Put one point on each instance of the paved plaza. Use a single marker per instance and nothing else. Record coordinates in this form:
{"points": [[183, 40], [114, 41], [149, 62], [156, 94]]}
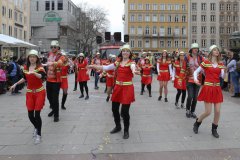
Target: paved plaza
{"points": [[157, 130]]}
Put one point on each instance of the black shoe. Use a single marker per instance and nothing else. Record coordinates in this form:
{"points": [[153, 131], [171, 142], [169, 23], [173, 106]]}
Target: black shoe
{"points": [[150, 95], [116, 130], [188, 114], [166, 100], [96, 87], [63, 108], [235, 95], [81, 96], [87, 97], [74, 89], [182, 106], [159, 98], [56, 119], [108, 97], [141, 93], [214, 131], [193, 115], [196, 126], [176, 105], [50, 114], [126, 135]]}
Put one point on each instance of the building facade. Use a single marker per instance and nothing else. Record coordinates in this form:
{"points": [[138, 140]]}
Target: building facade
{"points": [[14, 18], [54, 20], [154, 25]]}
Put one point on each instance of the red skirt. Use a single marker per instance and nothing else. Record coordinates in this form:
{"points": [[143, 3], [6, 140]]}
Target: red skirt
{"points": [[110, 81], [164, 76], [64, 83], [211, 94], [35, 101], [123, 94], [146, 80], [180, 84], [83, 76]]}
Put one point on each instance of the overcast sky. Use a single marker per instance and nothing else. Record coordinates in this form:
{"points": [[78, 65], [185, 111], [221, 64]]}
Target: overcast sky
{"points": [[115, 9]]}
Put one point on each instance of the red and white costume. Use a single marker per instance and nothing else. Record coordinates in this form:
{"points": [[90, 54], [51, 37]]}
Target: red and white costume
{"points": [[123, 91], [164, 70], [64, 76], [146, 74], [211, 91], [110, 77], [35, 96], [82, 71], [179, 75]]}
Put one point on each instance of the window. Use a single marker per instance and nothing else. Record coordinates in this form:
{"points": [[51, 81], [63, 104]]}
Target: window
{"points": [[20, 34], [176, 31], [235, 7], [154, 43], [222, 18], [222, 43], [183, 44], [194, 29], [154, 18], [176, 44], [53, 5], [203, 43], [147, 31], [228, 30], [228, 18], [204, 6], [194, 18], [194, 6], [184, 31], [132, 17], [154, 32], [132, 43], [221, 30], [140, 7], [132, 6], [176, 18], [25, 35], [161, 44], [221, 7], [10, 14], [15, 32], [155, 7], [212, 30], [147, 44], [139, 18], [169, 18], [3, 11], [169, 31], [203, 30], [194, 41], [140, 31], [3, 28], [235, 18], [203, 18], [132, 30], [162, 18], [162, 7], [169, 7], [60, 4], [183, 18], [10, 30], [177, 7], [37, 6], [162, 31], [228, 7], [139, 43], [147, 18], [169, 44], [184, 7], [15, 16], [235, 29], [147, 6], [212, 41], [47, 5], [213, 18], [213, 6]]}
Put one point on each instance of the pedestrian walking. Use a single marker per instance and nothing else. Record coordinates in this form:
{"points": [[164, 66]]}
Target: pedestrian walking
{"points": [[146, 70], [211, 92], [34, 74], [97, 61], [123, 92]]}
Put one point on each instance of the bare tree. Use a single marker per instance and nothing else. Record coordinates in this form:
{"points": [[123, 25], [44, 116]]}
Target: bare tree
{"points": [[92, 22]]}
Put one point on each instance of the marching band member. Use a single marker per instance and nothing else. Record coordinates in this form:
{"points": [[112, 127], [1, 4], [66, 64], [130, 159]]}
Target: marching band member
{"points": [[146, 69]]}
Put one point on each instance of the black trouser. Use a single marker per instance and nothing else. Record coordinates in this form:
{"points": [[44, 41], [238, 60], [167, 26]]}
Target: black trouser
{"points": [[124, 113], [179, 92], [149, 87], [53, 89], [36, 120], [75, 86], [192, 90], [83, 85]]}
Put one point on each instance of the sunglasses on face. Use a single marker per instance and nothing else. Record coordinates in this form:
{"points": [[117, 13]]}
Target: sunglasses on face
{"points": [[53, 47]]}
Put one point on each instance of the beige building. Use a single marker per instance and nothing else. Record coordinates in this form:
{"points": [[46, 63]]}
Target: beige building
{"points": [[15, 18], [154, 25]]}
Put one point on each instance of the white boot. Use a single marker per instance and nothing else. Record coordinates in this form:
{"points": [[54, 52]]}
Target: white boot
{"points": [[37, 140], [34, 133]]}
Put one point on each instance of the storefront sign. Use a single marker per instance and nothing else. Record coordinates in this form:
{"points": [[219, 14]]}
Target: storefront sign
{"points": [[52, 17]]}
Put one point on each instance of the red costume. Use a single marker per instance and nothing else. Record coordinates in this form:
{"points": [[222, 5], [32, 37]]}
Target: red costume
{"points": [[82, 71], [211, 91], [180, 75], [164, 71], [110, 77], [123, 91], [35, 96], [64, 83], [146, 76]]}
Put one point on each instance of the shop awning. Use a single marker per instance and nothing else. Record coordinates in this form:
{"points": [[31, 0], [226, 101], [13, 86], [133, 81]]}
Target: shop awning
{"points": [[6, 40]]}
